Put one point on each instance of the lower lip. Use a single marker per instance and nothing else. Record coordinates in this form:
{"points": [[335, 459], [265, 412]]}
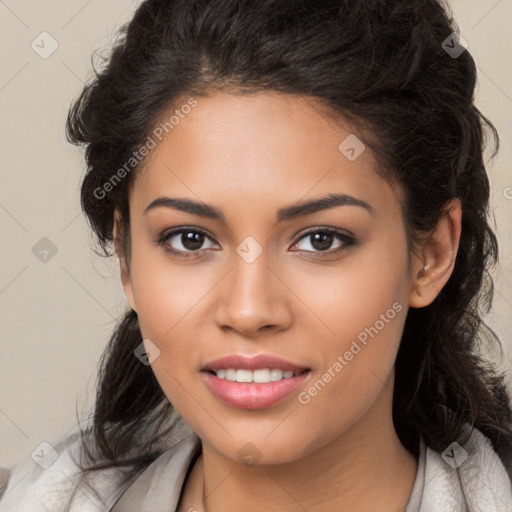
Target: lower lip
{"points": [[252, 395]]}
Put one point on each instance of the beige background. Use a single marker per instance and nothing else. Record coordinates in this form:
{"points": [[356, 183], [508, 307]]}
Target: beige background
{"points": [[56, 317]]}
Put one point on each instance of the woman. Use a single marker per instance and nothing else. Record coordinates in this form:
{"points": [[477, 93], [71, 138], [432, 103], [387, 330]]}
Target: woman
{"points": [[298, 201]]}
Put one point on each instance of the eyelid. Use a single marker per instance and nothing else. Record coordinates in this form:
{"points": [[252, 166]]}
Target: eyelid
{"points": [[168, 233], [346, 238], [326, 229]]}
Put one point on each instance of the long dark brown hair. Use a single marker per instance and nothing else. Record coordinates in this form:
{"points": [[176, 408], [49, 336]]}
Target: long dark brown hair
{"points": [[385, 66]]}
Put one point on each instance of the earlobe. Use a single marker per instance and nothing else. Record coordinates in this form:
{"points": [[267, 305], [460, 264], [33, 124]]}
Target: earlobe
{"points": [[123, 262], [433, 268]]}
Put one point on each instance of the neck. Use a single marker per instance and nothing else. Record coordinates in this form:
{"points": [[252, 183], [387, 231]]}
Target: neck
{"points": [[364, 466]]}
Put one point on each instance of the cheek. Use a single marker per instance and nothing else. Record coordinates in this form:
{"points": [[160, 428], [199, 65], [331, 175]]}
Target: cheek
{"points": [[363, 308], [166, 303], [166, 293], [172, 304], [357, 361], [344, 300]]}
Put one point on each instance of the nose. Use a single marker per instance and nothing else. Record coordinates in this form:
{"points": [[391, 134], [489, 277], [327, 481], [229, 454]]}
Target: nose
{"points": [[252, 298]]}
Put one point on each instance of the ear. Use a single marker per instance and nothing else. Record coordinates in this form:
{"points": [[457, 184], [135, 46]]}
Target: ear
{"points": [[434, 265], [123, 259]]}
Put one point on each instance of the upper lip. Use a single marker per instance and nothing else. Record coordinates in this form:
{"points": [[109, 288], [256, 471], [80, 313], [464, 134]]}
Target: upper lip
{"points": [[258, 362]]}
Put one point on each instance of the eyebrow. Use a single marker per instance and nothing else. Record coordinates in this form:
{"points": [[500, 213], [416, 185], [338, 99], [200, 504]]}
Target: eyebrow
{"points": [[283, 214]]}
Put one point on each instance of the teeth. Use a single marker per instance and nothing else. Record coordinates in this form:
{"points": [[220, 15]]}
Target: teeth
{"points": [[276, 375], [244, 376], [231, 374], [259, 376]]}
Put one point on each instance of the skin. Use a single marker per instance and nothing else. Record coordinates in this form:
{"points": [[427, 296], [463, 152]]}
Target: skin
{"points": [[249, 156]]}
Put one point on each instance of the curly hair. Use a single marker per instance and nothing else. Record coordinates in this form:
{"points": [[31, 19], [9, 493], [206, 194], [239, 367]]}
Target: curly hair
{"points": [[381, 65]]}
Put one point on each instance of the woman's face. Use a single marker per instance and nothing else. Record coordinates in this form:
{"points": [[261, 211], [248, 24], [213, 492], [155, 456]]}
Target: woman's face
{"points": [[262, 277]]}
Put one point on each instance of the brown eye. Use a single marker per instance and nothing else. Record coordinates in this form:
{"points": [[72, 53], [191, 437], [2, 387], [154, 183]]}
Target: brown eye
{"points": [[321, 240], [184, 241]]}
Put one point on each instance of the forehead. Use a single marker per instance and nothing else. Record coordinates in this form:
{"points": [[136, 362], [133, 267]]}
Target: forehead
{"points": [[262, 149]]}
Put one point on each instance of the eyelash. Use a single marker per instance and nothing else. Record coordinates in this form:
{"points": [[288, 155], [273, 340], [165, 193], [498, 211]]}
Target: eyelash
{"points": [[347, 240]]}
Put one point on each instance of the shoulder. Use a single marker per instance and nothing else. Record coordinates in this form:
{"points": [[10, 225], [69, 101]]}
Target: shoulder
{"points": [[49, 479], [471, 473], [159, 486]]}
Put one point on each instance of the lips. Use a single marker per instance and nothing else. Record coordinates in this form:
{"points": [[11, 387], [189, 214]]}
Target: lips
{"points": [[258, 362], [253, 395]]}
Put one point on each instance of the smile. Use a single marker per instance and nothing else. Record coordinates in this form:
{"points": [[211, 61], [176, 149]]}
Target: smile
{"points": [[250, 394], [259, 376]]}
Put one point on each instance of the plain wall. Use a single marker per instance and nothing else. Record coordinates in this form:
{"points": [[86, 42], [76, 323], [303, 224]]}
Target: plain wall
{"points": [[57, 316]]}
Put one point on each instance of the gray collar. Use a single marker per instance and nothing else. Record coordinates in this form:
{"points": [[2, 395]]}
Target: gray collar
{"points": [[158, 488]]}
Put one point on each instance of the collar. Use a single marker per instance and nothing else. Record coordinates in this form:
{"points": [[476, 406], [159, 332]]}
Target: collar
{"points": [[158, 488]]}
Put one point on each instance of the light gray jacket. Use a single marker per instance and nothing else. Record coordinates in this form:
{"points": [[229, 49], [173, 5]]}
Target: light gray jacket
{"points": [[470, 478]]}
